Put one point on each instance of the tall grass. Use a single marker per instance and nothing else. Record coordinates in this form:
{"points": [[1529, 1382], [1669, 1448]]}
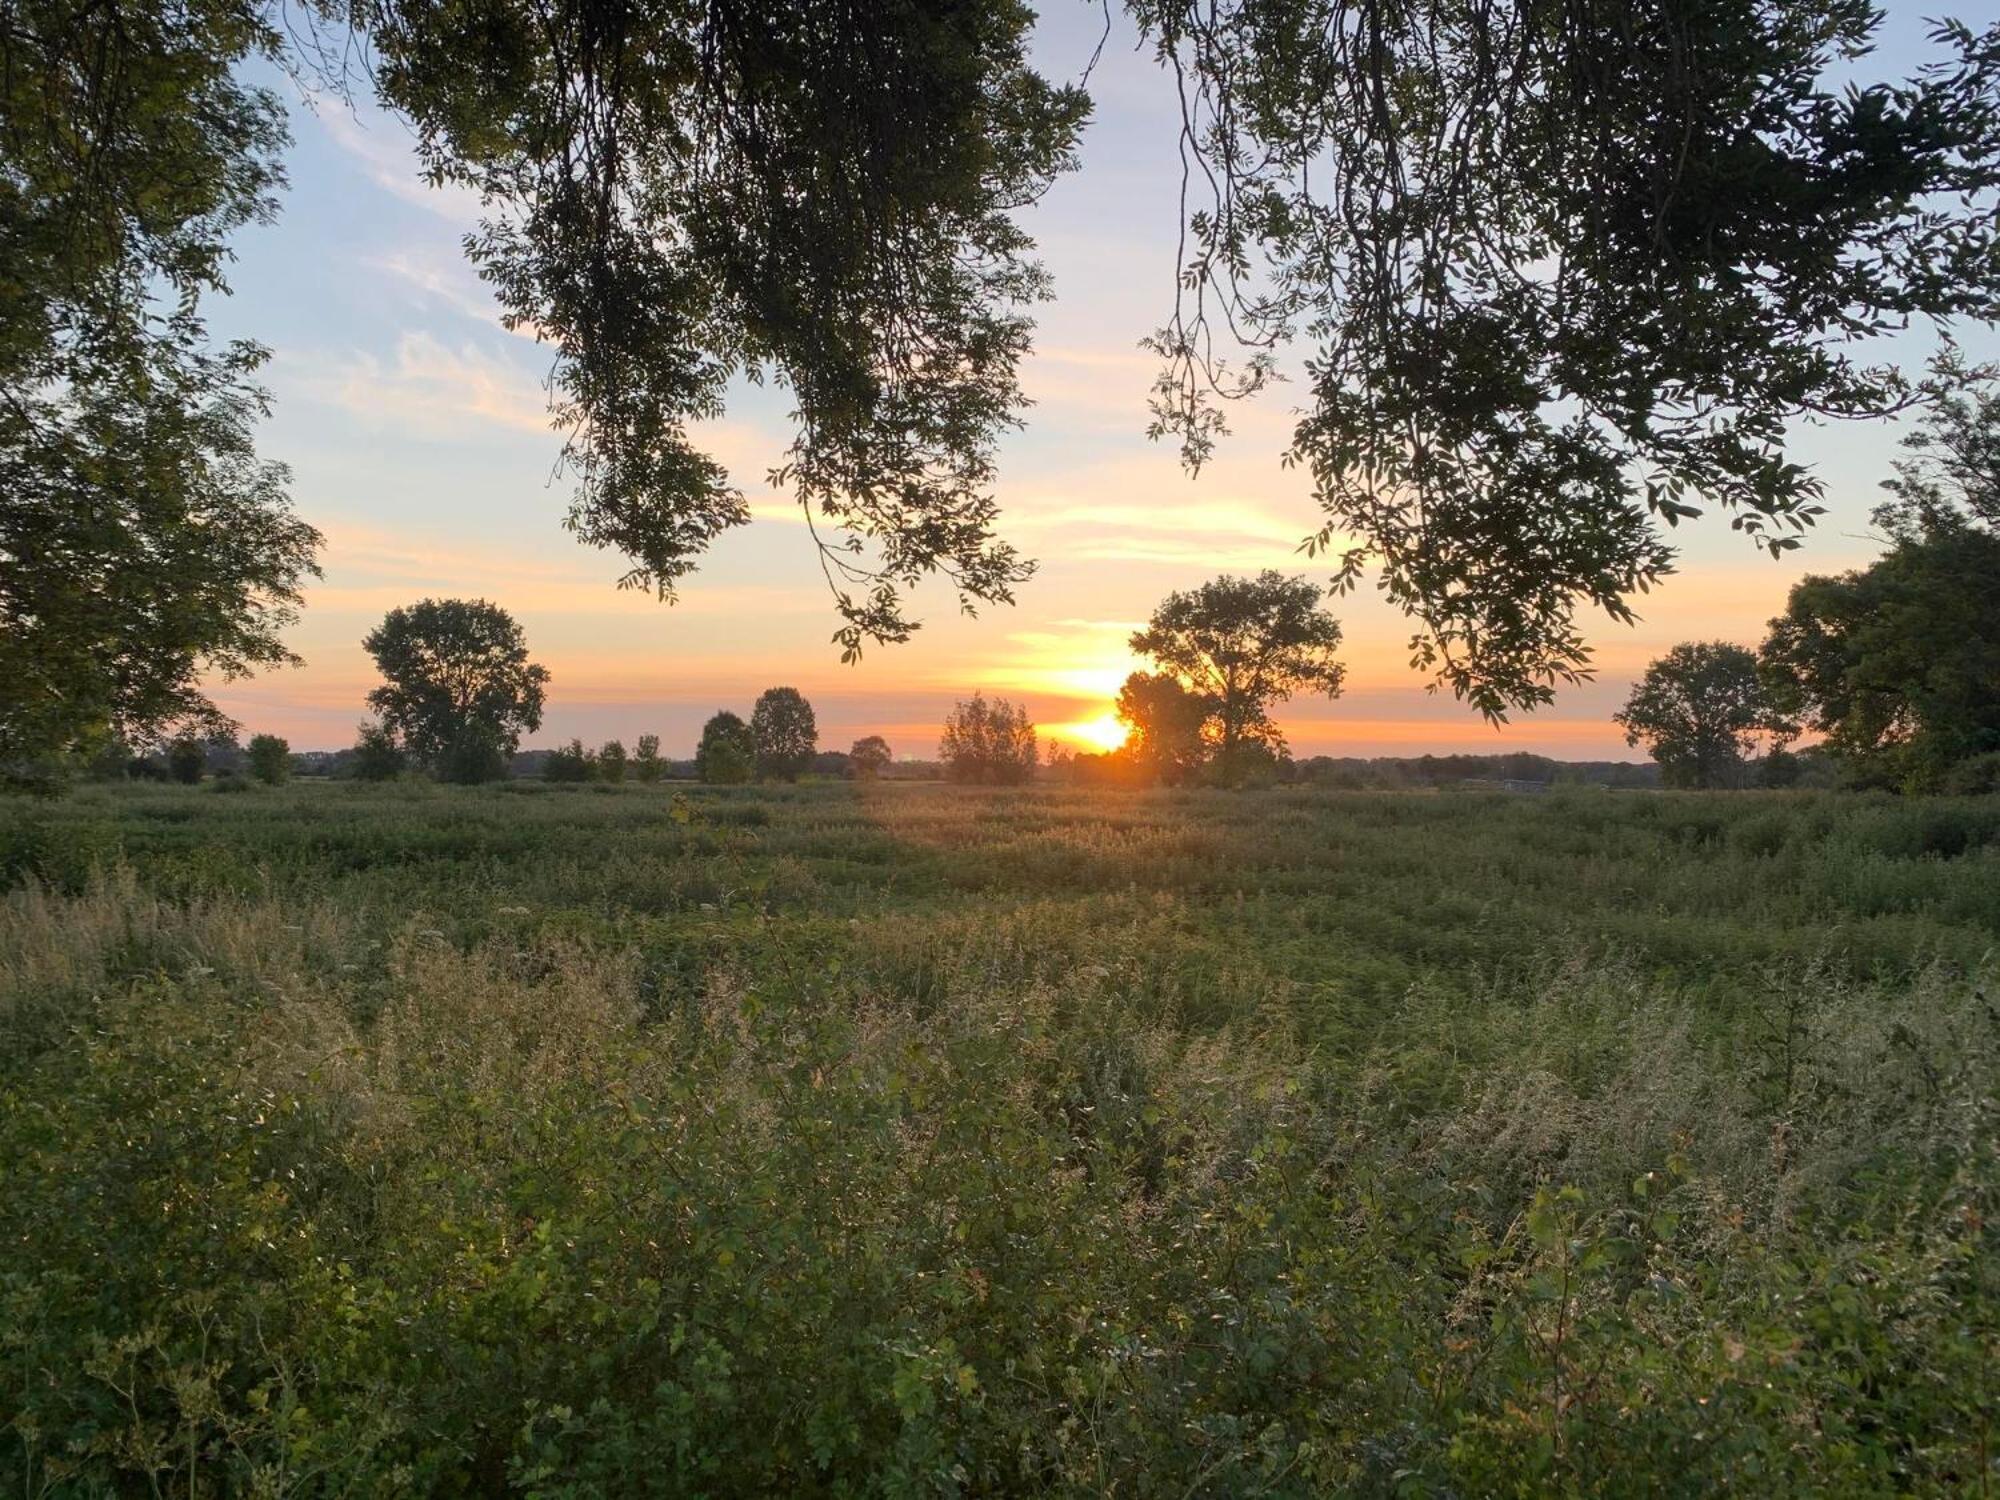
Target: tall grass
{"points": [[914, 1140]]}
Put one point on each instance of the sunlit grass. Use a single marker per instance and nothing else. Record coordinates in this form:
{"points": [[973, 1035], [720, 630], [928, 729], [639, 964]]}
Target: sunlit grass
{"points": [[905, 1139]]}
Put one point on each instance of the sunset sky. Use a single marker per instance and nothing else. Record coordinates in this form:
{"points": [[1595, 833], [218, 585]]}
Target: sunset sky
{"points": [[415, 427]]}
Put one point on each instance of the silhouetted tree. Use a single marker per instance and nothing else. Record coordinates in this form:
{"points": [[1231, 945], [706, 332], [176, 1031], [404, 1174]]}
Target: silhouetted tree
{"points": [[187, 759], [1701, 711], [988, 743], [611, 761], [270, 758], [460, 687], [377, 756], [869, 757], [1239, 645], [1164, 723], [727, 754], [785, 733], [1898, 664], [646, 763], [568, 764]]}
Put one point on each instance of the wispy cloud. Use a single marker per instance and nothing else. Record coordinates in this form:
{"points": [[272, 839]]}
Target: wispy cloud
{"points": [[427, 388], [384, 147]]}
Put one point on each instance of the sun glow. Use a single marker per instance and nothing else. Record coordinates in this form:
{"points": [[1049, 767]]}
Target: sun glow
{"points": [[1102, 733]]}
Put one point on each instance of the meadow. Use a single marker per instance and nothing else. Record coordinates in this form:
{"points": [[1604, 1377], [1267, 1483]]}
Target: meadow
{"points": [[911, 1140]]}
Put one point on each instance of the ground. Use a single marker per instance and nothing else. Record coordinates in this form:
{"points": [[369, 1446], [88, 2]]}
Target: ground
{"points": [[909, 1139]]}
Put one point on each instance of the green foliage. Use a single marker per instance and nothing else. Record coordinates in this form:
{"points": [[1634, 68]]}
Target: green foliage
{"points": [[727, 754], [1236, 646], [646, 763], [676, 196], [146, 548], [802, 1141], [1898, 664], [1701, 711], [785, 733], [869, 757], [570, 763], [376, 755], [270, 758], [611, 761], [460, 688], [187, 759], [1732, 207], [989, 744]]}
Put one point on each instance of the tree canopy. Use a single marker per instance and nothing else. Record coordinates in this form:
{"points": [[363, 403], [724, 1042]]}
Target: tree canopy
{"points": [[785, 733], [1238, 645], [988, 742], [460, 688], [1702, 711], [728, 752], [869, 757], [142, 543], [1564, 274], [1898, 664], [1163, 722]]}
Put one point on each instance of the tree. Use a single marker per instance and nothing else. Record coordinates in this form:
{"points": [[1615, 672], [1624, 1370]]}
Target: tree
{"points": [[611, 761], [988, 743], [187, 759], [568, 764], [460, 687], [270, 759], [870, 757], [1164, 727], [646, 763], [785, 733], [1701, 711], [1898, 664], [1239, 645], [143, 546], [376, 755], [727, 754]]}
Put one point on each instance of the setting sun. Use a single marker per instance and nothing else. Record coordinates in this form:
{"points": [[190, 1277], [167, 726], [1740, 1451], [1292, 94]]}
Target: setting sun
{"points": [[1102, 733]]}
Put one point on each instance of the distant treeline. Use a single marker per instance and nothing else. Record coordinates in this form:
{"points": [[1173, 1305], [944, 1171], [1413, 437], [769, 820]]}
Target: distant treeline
{"points": [[533, 765]]}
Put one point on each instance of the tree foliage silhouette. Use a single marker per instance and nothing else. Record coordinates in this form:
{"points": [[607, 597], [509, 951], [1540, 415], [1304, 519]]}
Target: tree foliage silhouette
{"points": [[1701, 711], [460, 689], [785, 733]]}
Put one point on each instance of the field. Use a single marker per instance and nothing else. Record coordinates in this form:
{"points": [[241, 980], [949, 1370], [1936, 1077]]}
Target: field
{"points": [[910, 1140]]}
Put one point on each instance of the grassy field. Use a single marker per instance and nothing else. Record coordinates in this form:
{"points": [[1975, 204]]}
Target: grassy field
{"points": [[909, 1140]]}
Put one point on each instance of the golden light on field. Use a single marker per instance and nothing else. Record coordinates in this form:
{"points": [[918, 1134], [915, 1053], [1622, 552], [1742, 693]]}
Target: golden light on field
{"points": [[1102, 733]]}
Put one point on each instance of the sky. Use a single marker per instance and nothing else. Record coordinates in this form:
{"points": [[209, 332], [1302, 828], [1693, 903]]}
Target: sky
{"points": [[416, 430]]}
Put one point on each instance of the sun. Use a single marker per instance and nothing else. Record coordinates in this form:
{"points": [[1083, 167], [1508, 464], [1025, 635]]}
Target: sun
{"points": [[1102, 733]]}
